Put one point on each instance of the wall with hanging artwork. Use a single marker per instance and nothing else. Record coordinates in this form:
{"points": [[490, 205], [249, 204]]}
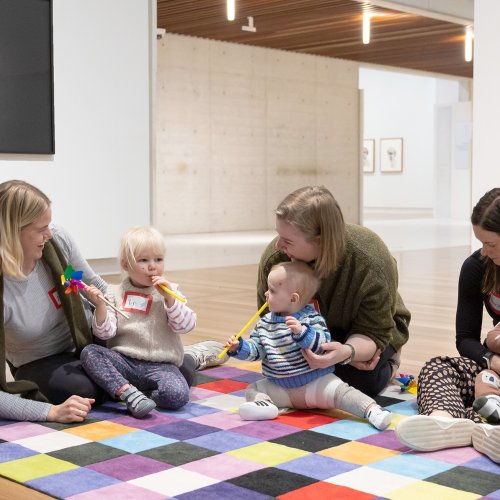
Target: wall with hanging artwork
{"points": [[368, 156], [391, 155]]}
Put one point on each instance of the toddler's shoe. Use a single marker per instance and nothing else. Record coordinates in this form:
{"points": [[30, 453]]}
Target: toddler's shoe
{"points": [[379, 417], [489, 408], [258, 410], [137, 403]]}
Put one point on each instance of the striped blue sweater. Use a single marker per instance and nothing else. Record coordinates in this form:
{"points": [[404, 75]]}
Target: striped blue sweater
{"points": [[273, 343]]}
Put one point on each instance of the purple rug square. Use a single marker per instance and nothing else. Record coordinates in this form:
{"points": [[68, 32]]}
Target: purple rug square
{"points": [[265, 430], [223, 441], [154, 418], [384, 439], [182, 430], [22, 430], [189, 411], [129, 467], [317, 466], [123, 491], [495, 494], [13, 451], [457, 456], [222, 490], [106, 411], [71, 482], [483, 463], [197, 393]]}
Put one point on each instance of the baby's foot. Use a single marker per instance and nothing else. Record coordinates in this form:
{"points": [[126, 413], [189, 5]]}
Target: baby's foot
{"points": [[258, 410], [379, 417]]}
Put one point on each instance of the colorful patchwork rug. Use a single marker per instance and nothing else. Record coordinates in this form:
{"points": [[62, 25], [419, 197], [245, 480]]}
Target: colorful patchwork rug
{"points": [[205, 451]]}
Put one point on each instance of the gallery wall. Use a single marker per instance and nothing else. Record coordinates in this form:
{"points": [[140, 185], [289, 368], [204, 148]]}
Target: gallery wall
{"points": [[238, 127], [99, 176], [432, 117]]}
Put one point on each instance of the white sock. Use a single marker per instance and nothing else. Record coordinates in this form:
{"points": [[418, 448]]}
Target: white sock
{"points": [[258, 410], [379, 417]]}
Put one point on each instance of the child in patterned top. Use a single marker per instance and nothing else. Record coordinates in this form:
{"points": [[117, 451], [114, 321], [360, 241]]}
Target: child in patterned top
{"points": [[144, 352], [278, 339]]}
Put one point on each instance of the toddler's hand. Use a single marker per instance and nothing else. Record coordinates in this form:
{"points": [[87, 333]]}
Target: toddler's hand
{"points": [[232, 344], [93, 293], [294, 324]]}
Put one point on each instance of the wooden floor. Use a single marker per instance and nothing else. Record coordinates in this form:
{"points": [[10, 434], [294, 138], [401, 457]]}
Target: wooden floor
{"points": [[224, 299]]}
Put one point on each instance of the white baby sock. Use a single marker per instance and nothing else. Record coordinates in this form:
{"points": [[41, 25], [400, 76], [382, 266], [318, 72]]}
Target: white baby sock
{"points": [[379, 417]]}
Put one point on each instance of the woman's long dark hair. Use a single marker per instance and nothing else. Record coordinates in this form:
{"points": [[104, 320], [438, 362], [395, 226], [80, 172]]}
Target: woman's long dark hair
{"points": [[486, 215]]}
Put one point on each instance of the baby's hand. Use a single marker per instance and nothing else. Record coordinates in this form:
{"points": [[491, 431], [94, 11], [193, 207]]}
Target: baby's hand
{"points": [[294, 324], [160, 280], [93, 294], [232, 344]]}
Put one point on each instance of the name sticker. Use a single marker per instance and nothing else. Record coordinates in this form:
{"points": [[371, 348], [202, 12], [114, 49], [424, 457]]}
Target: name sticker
{"points": [[54, 297], [495, 302], [137, 302]]}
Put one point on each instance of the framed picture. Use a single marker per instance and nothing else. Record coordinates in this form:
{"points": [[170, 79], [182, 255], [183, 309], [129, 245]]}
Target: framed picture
{"points": [[391, 155], [368, 156]]}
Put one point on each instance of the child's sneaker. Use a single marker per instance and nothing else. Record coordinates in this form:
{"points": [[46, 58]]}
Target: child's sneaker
{"points": [[379, 417], [137, 403], [489, 408], [258, 410]]}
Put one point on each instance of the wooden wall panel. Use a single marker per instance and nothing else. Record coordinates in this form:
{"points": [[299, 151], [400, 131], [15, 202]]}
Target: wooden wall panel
{"points": [[239, 127]]}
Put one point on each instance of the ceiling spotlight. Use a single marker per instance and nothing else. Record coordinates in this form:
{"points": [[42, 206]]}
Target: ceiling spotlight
{"points": [[366, 28], [231, 10], [469, 36]]}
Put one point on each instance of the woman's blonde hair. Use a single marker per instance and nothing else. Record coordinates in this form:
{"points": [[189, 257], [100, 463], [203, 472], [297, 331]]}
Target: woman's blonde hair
{"points": [[315, 212], [301, 279], [486, 215], [137, 239], [21, 204]]}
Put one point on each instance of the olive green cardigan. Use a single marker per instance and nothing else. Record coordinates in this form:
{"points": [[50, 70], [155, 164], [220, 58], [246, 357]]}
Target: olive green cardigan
{"points": [[361, 295], [73, 310]]}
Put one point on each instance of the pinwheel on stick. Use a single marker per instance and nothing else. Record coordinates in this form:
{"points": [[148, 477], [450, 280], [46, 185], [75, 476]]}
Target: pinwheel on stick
{"points": [[72, 282]]}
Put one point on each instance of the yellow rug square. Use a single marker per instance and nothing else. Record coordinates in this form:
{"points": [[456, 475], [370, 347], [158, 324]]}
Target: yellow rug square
{"points": [[358, 453], [26, 469], [422, 489], [269, 454], [100, 430]]}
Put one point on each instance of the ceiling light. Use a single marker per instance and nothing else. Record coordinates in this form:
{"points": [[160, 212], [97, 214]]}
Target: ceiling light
{"points": [[469, 35], [366, 28], [230, 10]]}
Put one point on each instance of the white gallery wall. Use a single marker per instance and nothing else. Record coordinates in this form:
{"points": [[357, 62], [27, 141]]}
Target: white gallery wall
{"points": [[486, 167], [239, 127], [99, 176], [433, 117]]}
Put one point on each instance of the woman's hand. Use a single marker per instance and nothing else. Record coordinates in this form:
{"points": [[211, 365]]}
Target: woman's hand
{"points": [[335, 352], [74, 409], [232, 344], [368, 365]]}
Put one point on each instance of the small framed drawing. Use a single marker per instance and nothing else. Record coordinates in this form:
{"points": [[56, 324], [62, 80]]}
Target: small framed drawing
{"points": [[368, 156], [391, 155]]}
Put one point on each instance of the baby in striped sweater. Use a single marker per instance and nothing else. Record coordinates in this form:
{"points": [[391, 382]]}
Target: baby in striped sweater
{"points": [[277, 341]]}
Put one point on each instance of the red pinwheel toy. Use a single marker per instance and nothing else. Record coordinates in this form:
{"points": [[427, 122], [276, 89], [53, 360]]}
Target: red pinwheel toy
{"points": [[72, 280]]}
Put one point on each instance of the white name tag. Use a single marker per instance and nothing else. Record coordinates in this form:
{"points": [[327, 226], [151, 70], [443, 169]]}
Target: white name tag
{"points": [[137, 302]]}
